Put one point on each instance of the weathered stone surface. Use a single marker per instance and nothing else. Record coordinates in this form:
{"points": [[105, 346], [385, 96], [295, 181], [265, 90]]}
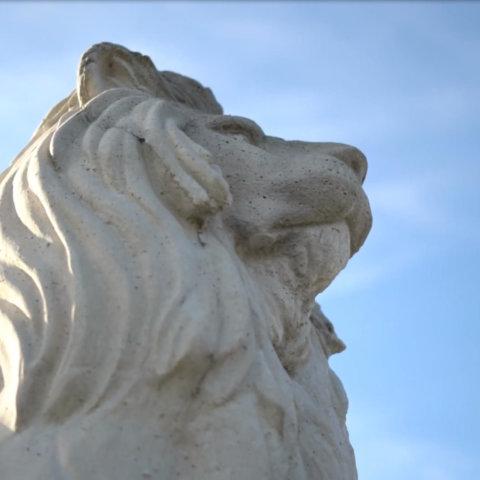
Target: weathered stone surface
{"points": [[159, 264]]}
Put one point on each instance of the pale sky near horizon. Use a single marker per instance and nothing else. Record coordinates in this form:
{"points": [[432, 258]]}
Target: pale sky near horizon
{"points": [[401, 81]]}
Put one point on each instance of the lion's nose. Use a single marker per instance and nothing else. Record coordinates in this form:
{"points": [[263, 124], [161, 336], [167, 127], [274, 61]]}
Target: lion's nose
{"points": [[352, 156]]}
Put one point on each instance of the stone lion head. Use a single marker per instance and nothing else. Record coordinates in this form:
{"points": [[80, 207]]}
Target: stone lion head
{"points": [[159, 264]]}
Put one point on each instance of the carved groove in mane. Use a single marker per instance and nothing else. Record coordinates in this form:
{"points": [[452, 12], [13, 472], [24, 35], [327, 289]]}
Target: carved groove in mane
{"points": [[83, 228]]}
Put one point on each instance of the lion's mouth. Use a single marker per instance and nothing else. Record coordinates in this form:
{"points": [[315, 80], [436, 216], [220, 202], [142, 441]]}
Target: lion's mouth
{"points": [[359, 216], [359, 221]]}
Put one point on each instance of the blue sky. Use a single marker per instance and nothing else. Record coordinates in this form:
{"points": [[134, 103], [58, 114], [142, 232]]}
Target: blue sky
{"points": [[401, 81]]}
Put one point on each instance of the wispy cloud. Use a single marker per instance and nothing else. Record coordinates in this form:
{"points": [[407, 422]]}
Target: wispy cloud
{"points": [[370, 272], [327, 112], [408, 200], [419, 207], [428, 199], [383, 452]]}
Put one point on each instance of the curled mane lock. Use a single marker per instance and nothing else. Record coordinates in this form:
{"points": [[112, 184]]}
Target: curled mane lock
{"points": [[92, 213]]}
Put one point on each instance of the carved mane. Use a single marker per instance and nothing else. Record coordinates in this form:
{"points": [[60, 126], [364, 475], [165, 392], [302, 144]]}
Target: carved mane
{"points": [[116, 272], [84, 236]]}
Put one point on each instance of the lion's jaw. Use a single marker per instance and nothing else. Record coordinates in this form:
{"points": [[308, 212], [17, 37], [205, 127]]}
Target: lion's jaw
{"points": [[290, 274]]}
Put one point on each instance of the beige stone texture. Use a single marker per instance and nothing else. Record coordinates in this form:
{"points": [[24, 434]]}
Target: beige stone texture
{"points": [[159, 262]]}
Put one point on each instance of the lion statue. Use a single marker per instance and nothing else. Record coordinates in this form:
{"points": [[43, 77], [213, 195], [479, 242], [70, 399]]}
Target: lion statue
{"points": [[159, 262]]}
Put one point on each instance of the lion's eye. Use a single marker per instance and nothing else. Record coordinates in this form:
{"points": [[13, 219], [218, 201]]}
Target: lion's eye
{"points": [[229, 125]]}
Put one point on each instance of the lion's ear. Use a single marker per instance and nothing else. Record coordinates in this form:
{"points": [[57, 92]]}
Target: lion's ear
{"points": [[106, 65], [185, 172], [198, 164]]}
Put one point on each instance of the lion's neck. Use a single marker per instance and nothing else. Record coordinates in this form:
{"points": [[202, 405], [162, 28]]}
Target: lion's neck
{"points": [[285, 282], [285, 279]]}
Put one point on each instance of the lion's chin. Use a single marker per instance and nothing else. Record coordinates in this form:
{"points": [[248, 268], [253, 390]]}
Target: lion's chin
{"points": [[326, 251]]}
